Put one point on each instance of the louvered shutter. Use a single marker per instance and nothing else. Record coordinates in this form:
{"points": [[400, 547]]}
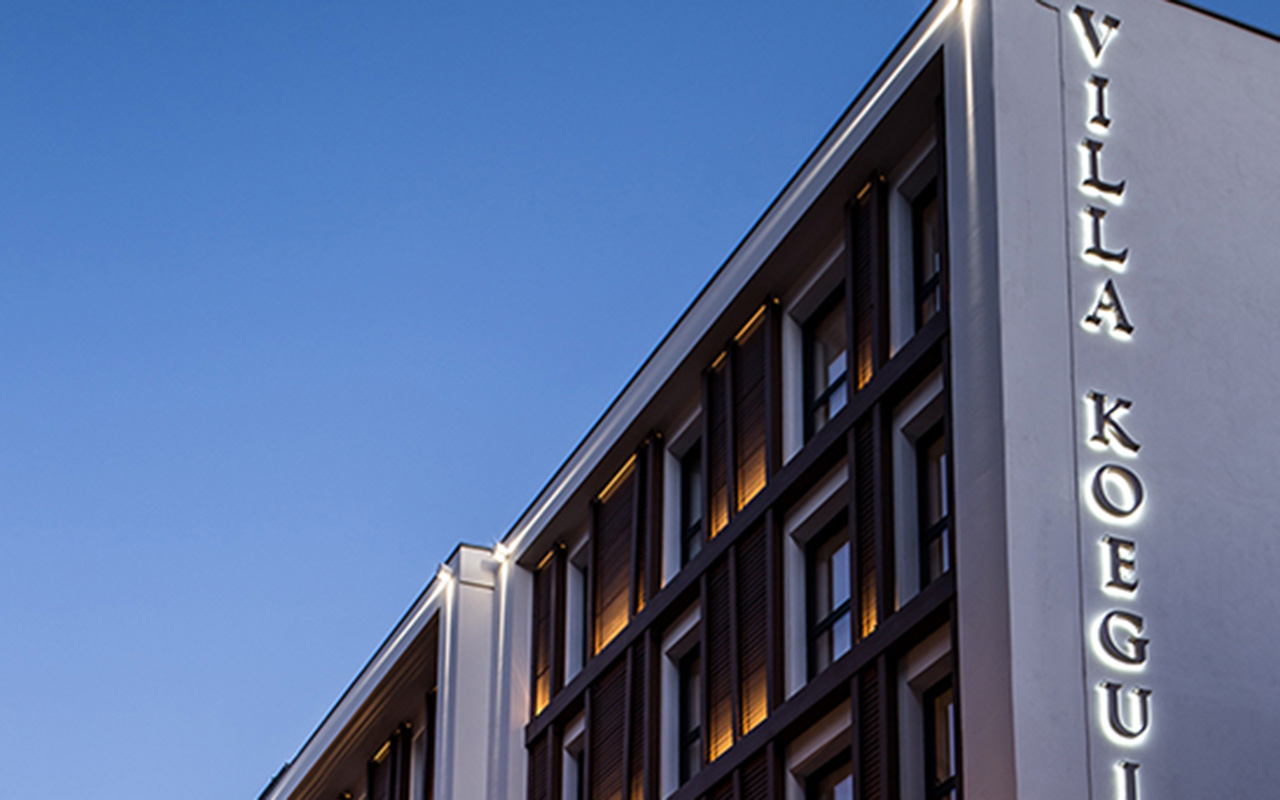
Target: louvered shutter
{"points": [[717, 449], [866, 499], [638, 720], [753, 628], [719, 662], [749, 417], [613, 546], [639, 526], [722, 791], [869, 725], [543, 599], [864, 299], [755, 778], [606, 734], [540, 769]]}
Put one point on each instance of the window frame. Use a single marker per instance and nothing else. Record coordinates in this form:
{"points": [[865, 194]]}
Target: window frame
{"points": [[814, 627], [948, 788], [929, 532], [810, 402]]}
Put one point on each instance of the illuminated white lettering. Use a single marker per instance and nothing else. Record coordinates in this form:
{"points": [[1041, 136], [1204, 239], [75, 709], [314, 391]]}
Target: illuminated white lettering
{"points": [[1097, 42], [1115, 717], [1108, 303], [1123, 562], [1133, 650], [1105, 425], [1096, 248]]}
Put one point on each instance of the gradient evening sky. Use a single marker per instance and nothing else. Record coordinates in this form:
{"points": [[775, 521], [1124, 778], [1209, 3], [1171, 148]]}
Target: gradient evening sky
{"points": [[294, 296]]}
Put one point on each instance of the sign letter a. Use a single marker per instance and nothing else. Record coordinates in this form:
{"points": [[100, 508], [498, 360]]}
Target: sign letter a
{"points": [[1096, 41]]}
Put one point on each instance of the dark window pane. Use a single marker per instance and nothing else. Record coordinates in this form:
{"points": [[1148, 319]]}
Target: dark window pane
{"points": [[830, 599], [835, 784], [691, 503], [927, 241], [828, 366], [690, 716]]}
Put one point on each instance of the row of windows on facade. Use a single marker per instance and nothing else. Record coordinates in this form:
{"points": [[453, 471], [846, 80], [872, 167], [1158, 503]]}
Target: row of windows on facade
{"points": [[723, 470]]}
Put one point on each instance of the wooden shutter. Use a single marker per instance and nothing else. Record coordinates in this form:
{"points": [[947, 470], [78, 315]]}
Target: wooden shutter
{"points": [[613, 549], [870, 755], [540, 767], [639, 527], [717, 450], [719, 661], [864, 230], [867, 533], [543, 606], [722, 791], [755, 777], [607, 734], [753, 628], [749, 412], [638, 721]]}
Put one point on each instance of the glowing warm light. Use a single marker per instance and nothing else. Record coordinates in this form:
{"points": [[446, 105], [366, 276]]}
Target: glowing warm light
{"points": [[617, 479], [755, 699], [751, 325]]}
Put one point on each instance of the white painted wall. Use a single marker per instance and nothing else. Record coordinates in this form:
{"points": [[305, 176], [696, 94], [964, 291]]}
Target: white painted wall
{"points": [[1196, 117]]}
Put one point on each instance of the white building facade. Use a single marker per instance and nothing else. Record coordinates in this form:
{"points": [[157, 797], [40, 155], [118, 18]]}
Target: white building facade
{"points": [[960, 478]]}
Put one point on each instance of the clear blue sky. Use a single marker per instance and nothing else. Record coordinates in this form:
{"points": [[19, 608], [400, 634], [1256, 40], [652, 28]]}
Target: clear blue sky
{"points": [[296, 295]]}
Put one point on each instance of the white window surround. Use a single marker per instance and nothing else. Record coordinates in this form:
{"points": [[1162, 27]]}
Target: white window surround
{"points": [[913, 418], [687, 434], [922, 667], [907, 181], [575, 739], [679, 639], [815, 748], [575, 608], [799, 305], [808, 517]]}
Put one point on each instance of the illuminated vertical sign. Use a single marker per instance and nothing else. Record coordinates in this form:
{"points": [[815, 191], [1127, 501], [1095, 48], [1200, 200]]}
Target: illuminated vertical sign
{"points": [[1111, 486]]}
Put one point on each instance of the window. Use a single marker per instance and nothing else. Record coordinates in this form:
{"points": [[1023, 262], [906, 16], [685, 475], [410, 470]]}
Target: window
{"points": [[927, 254], [934, 504], [826, 364], [940, 741], [690, 715], [830, 599], [691, 533], [832, 782]]}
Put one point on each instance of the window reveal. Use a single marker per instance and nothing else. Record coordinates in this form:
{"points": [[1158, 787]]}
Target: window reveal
{"points": [[826, 345]]}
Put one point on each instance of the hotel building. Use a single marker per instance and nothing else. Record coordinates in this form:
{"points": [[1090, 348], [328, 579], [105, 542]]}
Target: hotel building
{"points": [[958, 479]]}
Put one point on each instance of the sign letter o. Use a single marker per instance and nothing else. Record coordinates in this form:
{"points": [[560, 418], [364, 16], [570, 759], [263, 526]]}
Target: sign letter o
{"points": [[1117, 490]]}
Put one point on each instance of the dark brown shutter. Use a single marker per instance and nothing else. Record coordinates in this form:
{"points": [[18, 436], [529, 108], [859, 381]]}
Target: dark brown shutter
{"points": [[863, 231], [866, 497], [717, 449], [613, 561], [638, 720], [720, 655], [639, 526], [540, 769], [749, 414], [606, 733], [543, 600], [870, 757], [753, 627], [722, 791], [755, 777], [404, 758]]}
